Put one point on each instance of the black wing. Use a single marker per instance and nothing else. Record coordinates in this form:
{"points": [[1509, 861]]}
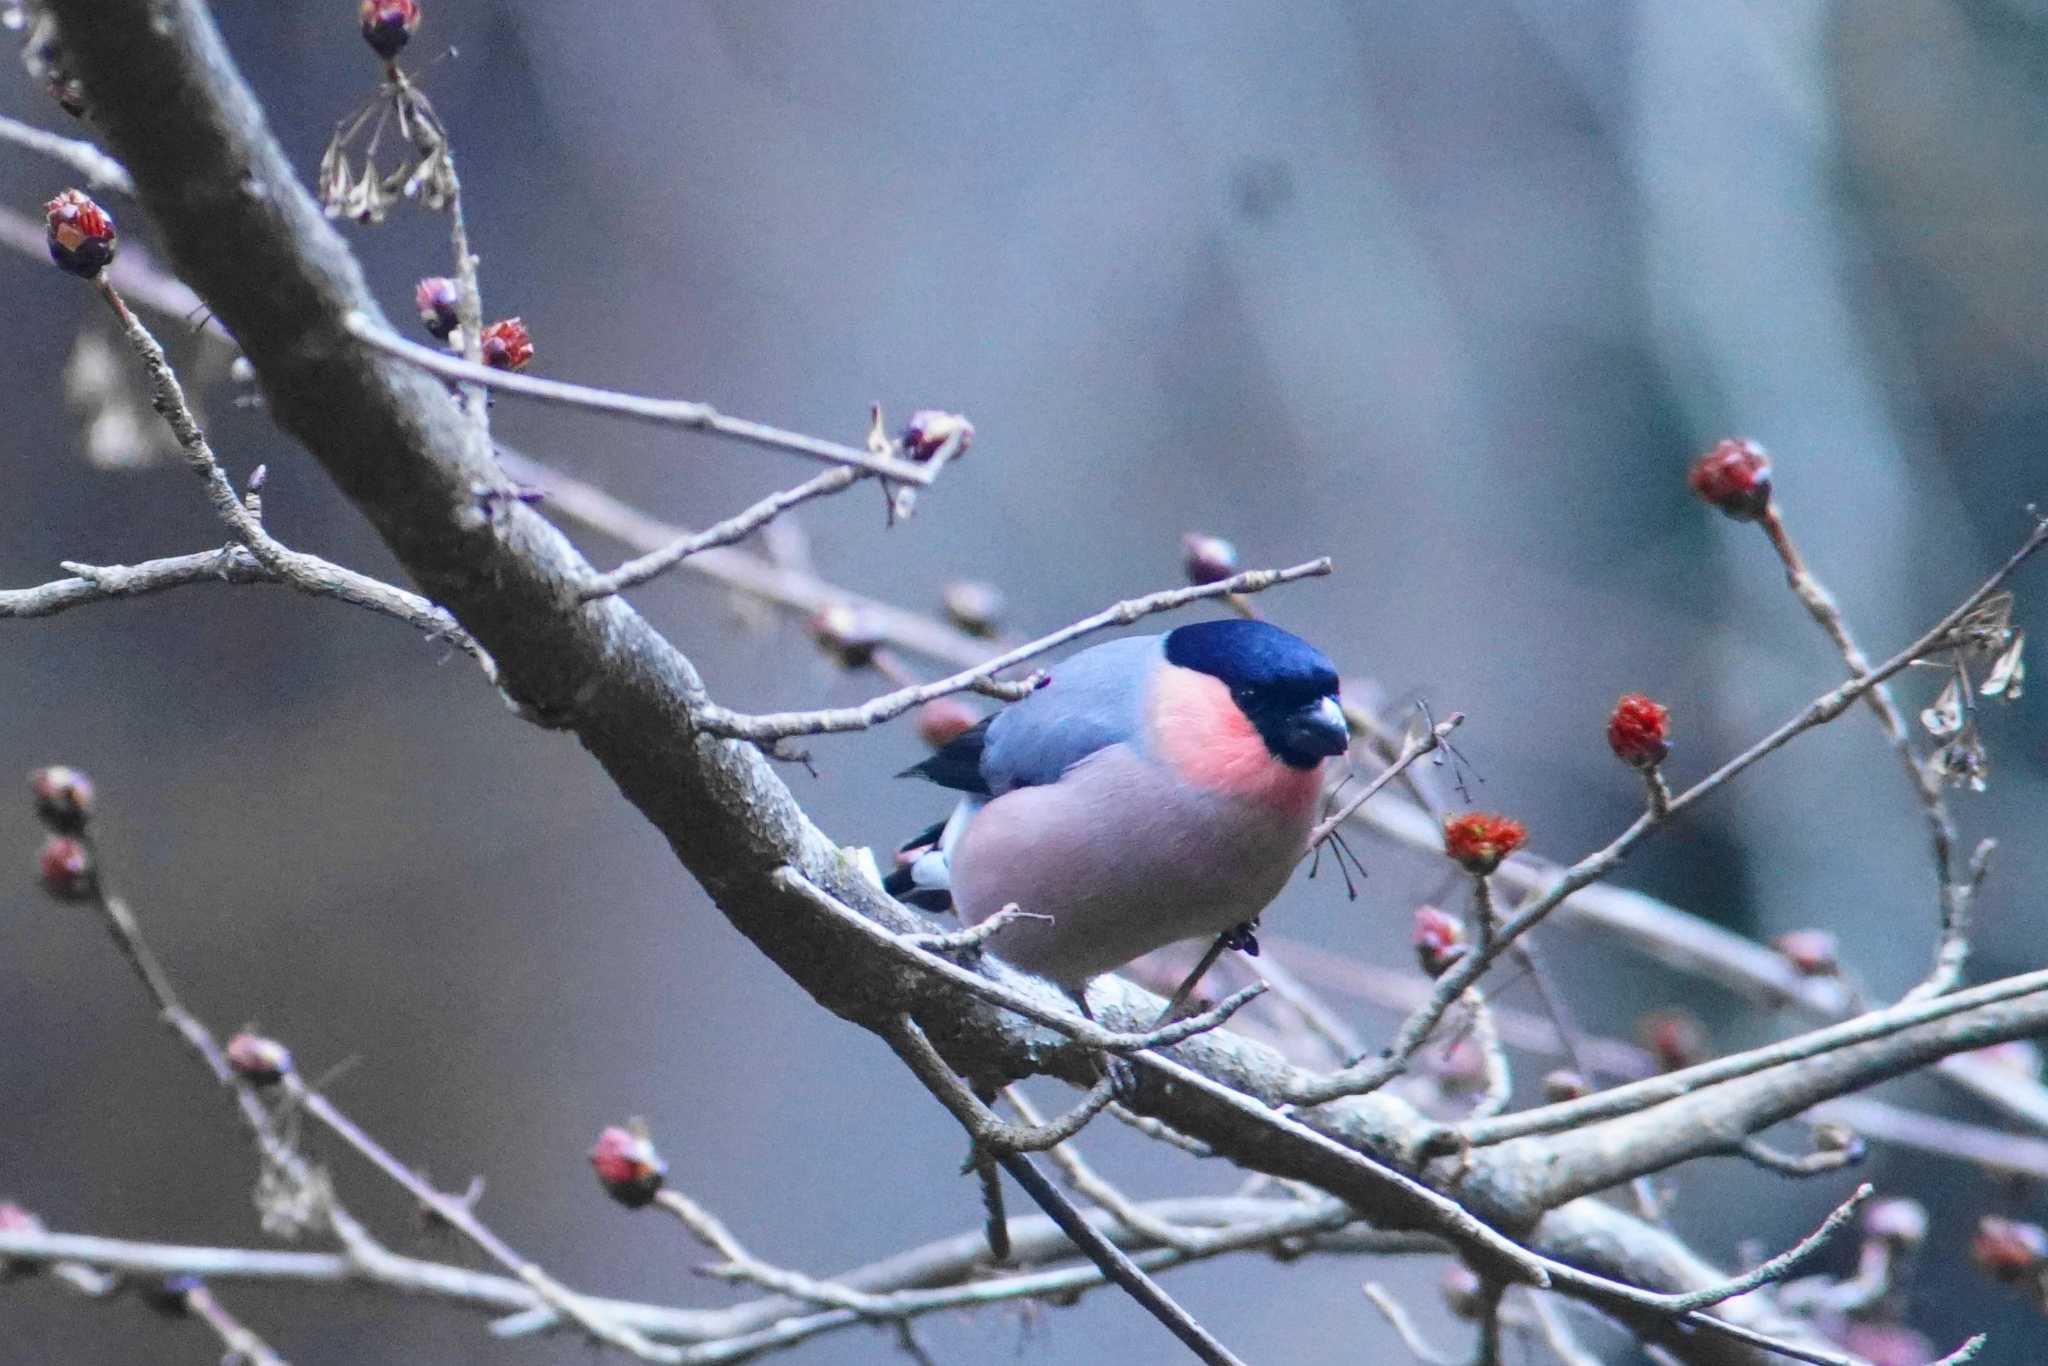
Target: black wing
{"points": [[958, 763]]}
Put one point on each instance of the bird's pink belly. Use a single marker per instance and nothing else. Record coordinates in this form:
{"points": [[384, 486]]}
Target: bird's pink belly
{"points": [[1123, 863]]}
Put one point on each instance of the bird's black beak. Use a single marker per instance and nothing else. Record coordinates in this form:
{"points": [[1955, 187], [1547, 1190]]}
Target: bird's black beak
{"points": [[1317, 730]]}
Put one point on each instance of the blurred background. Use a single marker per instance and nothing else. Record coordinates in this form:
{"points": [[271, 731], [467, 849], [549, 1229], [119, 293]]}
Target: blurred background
{"points": [[1450, 292]]}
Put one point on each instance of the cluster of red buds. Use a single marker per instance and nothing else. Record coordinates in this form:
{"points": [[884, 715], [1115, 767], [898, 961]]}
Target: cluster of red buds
{"points": [[81, 235], [1439, 940], [1479, 841], [64, 803], [627, 1166], [506, 344], [1207, 559], [435, 297], [931, 428], [975, 607], [388, 25], [1639, 731], [257, 1060], [1735, 477]]}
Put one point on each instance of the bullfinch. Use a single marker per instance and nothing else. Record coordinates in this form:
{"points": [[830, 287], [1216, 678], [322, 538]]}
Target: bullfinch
{"points": [[1157, 788]]}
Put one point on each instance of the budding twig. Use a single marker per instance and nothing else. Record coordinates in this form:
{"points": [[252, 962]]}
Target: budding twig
{"points": [[719, 720], [664, 412], [1412, 748], [635, 572]]}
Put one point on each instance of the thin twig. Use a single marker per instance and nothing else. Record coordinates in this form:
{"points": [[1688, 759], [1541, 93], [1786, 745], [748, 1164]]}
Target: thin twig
{"points": [[1075, 1027], [665, 412], [99, 169], [1778, 1267], [783, 725], [1952, 943], [742, 1265], [458, 1214], [635, 572], [242, 1344], [1411, 750], [1117, 1264], [1094, 1187], [235, 565], [1404, 1327], [1651, 1091]]}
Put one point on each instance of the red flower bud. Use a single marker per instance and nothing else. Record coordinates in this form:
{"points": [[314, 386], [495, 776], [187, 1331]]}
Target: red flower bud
{"points": [[1563, 1085], [1888, 1344], [257, 1060], [1812, 953], [388, 25], [1675, 1038], [1480, 841], [976, 608], [69, 93], [507, 345], [1735, 477], [435, 297], [1207, 559], [930, 429], [67, 869], [2008, 1249], [1461, 1291], [627, 1166], [63, 798], [1439, 940], [1639, 731], [15, 1219], [847, 634], [1900, 1222], [81, 235], [943, 719]]}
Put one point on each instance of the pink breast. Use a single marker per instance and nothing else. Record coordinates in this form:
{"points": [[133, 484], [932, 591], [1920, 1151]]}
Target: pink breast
{"points": [[1193, 726]]}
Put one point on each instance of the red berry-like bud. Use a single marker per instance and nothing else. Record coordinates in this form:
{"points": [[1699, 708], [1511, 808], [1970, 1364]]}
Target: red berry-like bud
{"points": [[257, 1060], [435, 297], [1563, 1085], [1735, 477], [388, 25], [1461, 1291], [944, 719], [2007, 1248], [81, 235], [1207, 559], [15, 1219], [69, 93], [847, 634], [1439, 940], [67, 869], [976, 608], [1900, 1222], [1639, 731], [507, 345], [1479, 840], [1888, 1344], [930, 429], [63, 798], [1675, 1038], [627, 1166], [1812, 953]]}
